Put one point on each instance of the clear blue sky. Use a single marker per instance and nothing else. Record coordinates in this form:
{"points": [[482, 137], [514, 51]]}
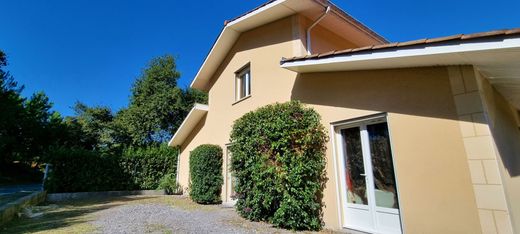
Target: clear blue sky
{"points": [[92, 50]]}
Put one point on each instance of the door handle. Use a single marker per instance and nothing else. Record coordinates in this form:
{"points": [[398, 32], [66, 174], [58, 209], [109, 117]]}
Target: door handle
{"points": [[363, 174]]}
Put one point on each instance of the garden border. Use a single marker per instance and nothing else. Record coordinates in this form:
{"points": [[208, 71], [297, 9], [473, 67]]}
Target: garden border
{"points": [[57, 197], [10, 209]]}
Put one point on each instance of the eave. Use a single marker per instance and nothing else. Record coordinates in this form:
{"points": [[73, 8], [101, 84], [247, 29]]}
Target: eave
{"points": [[192, 119]]}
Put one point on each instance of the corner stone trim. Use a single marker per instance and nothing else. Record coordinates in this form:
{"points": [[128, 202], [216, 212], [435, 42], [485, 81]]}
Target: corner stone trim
{"points": [[480, 151]]}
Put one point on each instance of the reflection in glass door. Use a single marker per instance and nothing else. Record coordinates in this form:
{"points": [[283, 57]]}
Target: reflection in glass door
{"points": [[370, 201]]}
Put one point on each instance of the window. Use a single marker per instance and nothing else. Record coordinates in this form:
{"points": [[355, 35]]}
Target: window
{"points": [[243, 83]]}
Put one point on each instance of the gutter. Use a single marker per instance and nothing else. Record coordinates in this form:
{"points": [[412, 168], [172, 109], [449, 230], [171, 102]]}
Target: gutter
{"points": [[309, 50]]}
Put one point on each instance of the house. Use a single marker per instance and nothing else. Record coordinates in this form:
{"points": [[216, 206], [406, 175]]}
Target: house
{"points": [[443, 112]]}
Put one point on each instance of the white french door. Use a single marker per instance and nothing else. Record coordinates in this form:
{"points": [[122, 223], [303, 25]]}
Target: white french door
{"points": [[368, 186]]}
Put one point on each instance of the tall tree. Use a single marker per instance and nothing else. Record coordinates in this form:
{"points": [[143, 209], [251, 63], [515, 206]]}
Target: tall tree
{"points": [[156, 106], [11, 111], [94, 124]]}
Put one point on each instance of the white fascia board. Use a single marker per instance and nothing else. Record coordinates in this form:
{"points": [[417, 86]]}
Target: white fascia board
{"points": [[256, 12], [459, 50], [226, 40], [191, 120], [219, 50]]}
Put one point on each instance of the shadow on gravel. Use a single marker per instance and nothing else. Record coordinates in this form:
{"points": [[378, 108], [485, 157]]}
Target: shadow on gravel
{"points": [[66, 217]]}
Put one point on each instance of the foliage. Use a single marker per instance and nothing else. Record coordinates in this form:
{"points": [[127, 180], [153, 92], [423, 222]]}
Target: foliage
{"points": [[28, 127], [169, 184], [29, 130], [156, 103], [278, 158], [206, 174], [80, 170], [147, 166]]}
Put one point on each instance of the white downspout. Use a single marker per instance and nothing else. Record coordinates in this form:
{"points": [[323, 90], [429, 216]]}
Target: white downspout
{"points": [[309, 51]]}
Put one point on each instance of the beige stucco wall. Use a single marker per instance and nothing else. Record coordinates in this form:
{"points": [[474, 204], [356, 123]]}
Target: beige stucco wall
{"points": [[322, 39], [436, 194], [262, 48], [471, 92], [505, 131]]}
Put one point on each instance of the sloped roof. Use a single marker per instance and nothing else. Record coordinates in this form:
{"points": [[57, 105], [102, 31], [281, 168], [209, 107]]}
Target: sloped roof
{"points": [[268, 12], [192, 119], [399, 45]]}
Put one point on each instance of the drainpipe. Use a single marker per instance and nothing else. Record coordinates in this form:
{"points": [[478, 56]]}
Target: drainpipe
{"points": [[309, 51]]}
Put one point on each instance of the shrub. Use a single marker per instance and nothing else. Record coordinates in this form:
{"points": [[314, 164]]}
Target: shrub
{"points": [[146, 166], [169, 184], [206, 174], [278, 161], [80, 170]]}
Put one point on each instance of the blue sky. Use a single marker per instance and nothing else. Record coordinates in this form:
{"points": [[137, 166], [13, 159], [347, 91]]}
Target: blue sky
{"points": [[92, 50]]}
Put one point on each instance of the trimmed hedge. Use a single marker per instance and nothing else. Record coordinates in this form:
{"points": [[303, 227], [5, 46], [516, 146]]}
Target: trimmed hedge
{"points": [[147, 166], [79, 170], [206, 174], [278, 159]]}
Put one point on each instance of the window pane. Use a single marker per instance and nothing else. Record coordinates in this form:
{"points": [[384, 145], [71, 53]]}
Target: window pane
{"points": [[242, 86], [383, 168], [248, 83], [356, 183]]}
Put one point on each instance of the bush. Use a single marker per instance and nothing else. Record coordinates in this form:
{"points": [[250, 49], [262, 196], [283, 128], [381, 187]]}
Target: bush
{"points": [[146, 166], [169, 184], [80, 170], [278, 159], [206, 174]]}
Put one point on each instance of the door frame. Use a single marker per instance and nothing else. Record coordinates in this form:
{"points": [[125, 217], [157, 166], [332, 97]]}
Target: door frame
{"points": [[339, 168], [228, 176]]}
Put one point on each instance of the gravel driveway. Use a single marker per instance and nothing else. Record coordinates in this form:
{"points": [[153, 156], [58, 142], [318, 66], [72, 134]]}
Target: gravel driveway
{"points": [[158, 218], [136, 214]]}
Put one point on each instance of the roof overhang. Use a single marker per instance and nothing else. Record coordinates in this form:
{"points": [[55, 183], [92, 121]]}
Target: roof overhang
{"points": [[192, 119], [270, 12], [497, 58]]}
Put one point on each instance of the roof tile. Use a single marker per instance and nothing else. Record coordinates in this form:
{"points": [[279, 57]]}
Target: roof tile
{"points": [[483, 34], [441, 39], [409, 43], [514, 31]]}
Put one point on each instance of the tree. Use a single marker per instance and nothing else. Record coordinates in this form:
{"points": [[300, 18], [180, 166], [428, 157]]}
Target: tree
{"points": [[157, 105], [11, 109], [93, 127]]}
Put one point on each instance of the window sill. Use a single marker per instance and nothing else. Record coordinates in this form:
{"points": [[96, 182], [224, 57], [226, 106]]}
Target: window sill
{"points": [[241, 99]]}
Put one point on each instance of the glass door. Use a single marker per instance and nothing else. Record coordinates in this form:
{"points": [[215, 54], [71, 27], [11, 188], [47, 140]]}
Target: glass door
{"points": [[370, 201]]}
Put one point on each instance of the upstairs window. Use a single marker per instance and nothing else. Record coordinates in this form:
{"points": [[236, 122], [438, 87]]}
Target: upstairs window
{"points": [[243, 83]]}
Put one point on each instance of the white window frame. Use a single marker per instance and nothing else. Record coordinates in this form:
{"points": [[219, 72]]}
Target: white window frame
{"points": [[243, 81]]}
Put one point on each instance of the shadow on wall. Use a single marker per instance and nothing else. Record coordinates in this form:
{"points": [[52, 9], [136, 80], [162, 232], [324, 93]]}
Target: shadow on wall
{"points": [[506, 132], [420, 92], [194, 133], [263, 36]]}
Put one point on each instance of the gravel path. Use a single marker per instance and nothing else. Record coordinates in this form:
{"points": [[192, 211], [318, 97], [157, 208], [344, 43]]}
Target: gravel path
{"points": [[135, 214], [163, 218]]}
